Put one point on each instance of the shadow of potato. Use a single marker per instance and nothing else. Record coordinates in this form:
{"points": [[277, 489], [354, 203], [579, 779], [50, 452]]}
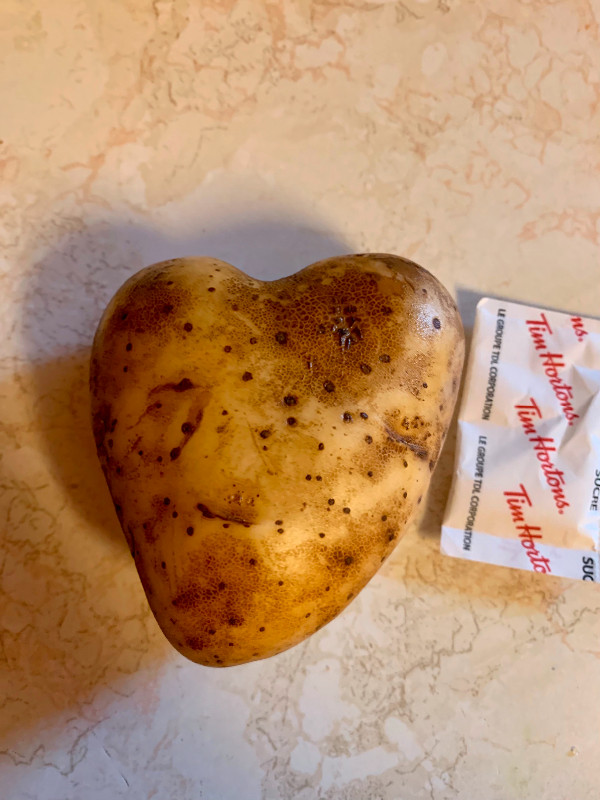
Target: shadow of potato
{"points": [[73, 615], [75, 619]]}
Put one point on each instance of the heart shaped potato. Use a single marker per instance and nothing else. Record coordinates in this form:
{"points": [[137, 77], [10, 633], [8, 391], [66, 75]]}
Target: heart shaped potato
{"points": [[266, 443]]}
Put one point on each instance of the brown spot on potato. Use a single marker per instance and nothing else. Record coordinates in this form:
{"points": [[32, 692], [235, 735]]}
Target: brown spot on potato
{"points": [[205, 511], [418, 449], [184, 385]]}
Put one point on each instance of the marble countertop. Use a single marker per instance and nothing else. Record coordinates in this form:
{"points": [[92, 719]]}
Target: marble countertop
{"points": [[270, 134]]}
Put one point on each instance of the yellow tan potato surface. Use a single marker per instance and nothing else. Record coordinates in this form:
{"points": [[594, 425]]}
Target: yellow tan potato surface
{"points": [[266, 443]]}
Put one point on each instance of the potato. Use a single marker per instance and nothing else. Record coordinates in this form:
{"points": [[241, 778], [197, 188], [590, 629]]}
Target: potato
{"points": [[266, 443]]}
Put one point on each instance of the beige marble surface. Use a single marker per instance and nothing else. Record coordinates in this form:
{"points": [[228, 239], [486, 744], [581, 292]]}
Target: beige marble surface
{"points": [[461, 134]]}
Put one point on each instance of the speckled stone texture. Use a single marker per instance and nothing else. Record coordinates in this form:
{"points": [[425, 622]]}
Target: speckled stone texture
{"points": [[461, 135]]}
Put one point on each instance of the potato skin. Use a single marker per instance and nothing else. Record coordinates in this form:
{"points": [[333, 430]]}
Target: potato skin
{"points": [[266, 443]]}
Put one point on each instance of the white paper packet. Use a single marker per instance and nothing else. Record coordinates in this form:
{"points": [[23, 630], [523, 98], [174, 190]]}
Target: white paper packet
{"points": [[526, 488]]}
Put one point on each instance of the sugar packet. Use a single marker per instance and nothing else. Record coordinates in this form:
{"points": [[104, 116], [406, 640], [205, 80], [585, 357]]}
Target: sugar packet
{"points": [[526, 488]]}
